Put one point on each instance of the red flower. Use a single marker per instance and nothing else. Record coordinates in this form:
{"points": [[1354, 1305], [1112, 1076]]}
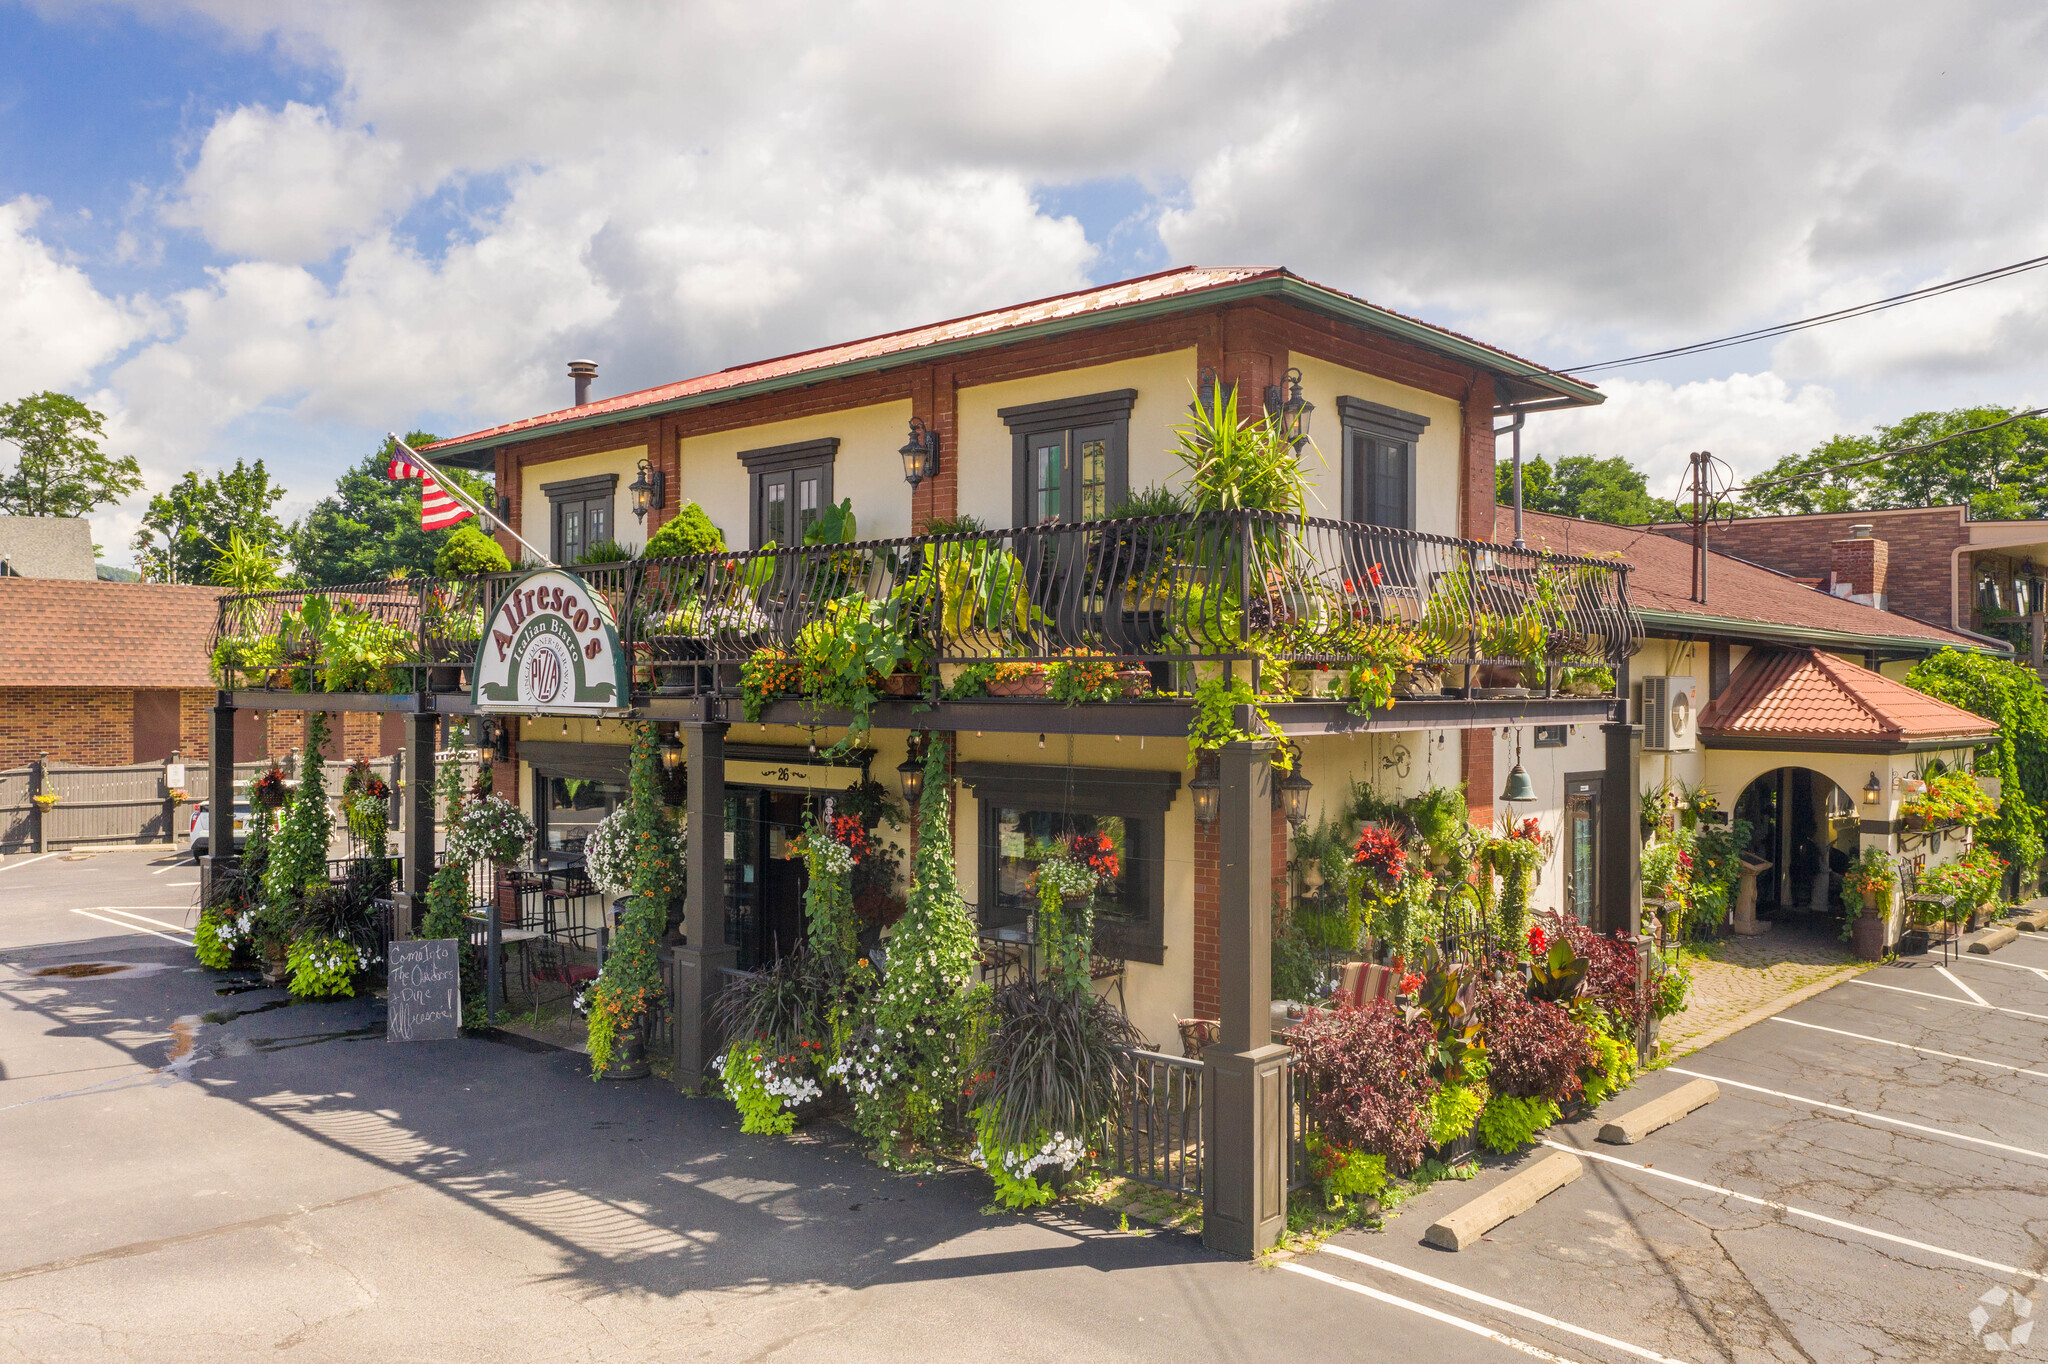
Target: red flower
{"points": [[1097, 853], [1374, 573], [1380, 850], [1410, 983], [1537, 941]]}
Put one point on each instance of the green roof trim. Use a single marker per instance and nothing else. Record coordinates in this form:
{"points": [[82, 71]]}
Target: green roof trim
{"points": [[1277, 285], [1686, 623]]}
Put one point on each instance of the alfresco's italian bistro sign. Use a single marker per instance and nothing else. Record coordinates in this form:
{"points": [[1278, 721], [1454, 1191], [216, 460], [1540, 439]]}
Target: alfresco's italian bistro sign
{"points": [[550, 647]]}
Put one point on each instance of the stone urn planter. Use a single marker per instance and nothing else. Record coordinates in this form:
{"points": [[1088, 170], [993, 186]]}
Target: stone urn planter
{"points": [[1867, 935], [629, 1053]]}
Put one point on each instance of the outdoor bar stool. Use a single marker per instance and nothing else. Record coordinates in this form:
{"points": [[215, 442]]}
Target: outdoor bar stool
{"points": [[561, 902], [547, 963]]}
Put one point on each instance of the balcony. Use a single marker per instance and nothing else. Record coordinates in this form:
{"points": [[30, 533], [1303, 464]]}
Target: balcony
{"points": [[1333, 624]]}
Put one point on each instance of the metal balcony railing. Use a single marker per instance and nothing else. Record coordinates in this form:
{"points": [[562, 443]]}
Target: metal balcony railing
{"points": [[1248, 587]]}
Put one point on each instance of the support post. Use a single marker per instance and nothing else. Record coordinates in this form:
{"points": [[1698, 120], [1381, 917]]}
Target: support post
{"points": [[416, 850], [1244, 1081], [220, 796], [1620, 902], [703, 953]]}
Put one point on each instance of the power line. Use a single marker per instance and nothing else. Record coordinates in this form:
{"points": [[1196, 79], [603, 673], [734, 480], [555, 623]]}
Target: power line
{"points": [[1889, 454], [1819, 319]]}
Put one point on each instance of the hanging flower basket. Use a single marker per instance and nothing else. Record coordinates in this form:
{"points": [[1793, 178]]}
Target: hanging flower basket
{"points": [[45, 799]]}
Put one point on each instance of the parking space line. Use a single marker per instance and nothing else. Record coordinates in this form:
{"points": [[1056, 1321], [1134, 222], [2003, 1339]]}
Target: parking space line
{"points": [[1416, 1276], [182, 942], [2008, 965], [131, 914], [1787, 1208], [42, 857], [1952, 979], [1870, 1117], [1887, 1042], [1947, 999], [1446, 1318]]}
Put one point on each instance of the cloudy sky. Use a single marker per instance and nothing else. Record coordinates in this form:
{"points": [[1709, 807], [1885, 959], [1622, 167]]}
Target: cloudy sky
{"points": [[280, 229]]}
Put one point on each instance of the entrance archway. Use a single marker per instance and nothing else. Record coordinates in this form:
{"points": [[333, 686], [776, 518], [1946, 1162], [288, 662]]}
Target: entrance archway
{"points": [[1806, 827]]}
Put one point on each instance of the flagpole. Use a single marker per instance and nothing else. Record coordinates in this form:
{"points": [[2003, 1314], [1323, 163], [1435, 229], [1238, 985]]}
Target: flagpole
{"points": [[456, 491]]}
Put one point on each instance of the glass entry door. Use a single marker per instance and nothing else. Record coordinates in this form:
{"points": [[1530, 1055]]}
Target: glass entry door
{"points": [[764, 878], [1582, 847]]}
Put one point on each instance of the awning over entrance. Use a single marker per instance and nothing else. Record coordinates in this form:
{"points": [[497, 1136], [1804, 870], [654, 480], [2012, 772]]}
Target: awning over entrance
{"points": [[1782, 696]]}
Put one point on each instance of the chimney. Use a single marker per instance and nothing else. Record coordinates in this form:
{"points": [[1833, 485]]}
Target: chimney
{"points": [[582, 371], [1857, 566]]}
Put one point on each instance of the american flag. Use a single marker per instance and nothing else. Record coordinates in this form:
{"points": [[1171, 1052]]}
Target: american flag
{"points": [[438, 510]]}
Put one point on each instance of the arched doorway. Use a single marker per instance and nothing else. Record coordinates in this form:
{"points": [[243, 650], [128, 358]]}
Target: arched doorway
{"points": [[1807, 828]]}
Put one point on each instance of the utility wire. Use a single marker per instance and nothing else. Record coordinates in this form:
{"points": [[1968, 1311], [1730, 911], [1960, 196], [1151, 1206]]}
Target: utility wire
{"points": [[1819, 319], [1888, 454]]}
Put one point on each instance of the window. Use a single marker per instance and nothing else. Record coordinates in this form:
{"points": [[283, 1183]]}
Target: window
{"points": [[1070, 457], [792, 485], [580, 515], [1379, 462], [1582, 847], [574, 806], [1023, 810]]}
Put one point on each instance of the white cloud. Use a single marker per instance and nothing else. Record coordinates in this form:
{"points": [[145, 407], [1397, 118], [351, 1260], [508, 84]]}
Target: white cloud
{"points": [[287, 185], [56, 328]]}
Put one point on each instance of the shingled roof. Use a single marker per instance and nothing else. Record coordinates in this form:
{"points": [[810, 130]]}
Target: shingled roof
{"points": [[1165, 291], [1738, 593], [58, 633], [1806, 694]]}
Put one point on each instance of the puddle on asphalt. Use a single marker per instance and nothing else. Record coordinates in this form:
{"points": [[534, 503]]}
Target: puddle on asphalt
{"points": [[230, 1015], [241, 987], [76, 969], [178, 1057]]}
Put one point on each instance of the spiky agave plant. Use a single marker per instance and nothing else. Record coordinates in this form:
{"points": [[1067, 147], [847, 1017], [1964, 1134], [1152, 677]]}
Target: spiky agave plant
{"points": [[1052, 1061]]}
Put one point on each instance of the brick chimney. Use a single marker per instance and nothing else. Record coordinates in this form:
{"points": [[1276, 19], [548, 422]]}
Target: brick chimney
{"points": [[1857, 566]]}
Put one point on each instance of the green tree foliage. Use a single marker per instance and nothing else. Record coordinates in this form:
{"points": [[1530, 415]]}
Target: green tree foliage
{"points": [[468, 551], [60, 469], [1610, 489], [369, 527], [185, 531], [2010, 694], [1998, 474]]}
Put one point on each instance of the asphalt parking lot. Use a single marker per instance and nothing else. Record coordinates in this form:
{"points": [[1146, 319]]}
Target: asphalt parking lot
{"points": [[201, 1169], [1874, 1172]]}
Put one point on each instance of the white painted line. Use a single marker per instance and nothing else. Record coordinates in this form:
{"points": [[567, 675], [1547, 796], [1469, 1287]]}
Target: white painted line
{"points": [[2008, 965], [130, 914], [174, 866], [1808, 1214], [1950, 977], [41, 857], [182, 942], [1930, 1051], [1446, 1318], [1416, 1276], [1947, 999], [1869, 1117]]}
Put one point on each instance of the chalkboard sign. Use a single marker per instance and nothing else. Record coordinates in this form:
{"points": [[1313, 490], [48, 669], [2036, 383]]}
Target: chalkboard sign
{"points": [[425, 990]]}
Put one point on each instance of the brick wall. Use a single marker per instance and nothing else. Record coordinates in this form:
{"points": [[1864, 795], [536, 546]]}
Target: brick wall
{"points": [[1475, 769], [350, 735], [1861, 563], [91, 726], [1920, 544], [1208, 921]]}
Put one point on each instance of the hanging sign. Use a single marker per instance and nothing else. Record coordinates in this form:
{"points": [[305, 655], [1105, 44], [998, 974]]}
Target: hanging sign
{"points": [[805, 776], [551, 648]]}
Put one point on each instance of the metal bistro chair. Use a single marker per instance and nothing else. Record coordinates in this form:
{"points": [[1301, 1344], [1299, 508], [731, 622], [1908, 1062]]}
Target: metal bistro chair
{"points": [[1918, 904], [568, 892], [547, 962]]}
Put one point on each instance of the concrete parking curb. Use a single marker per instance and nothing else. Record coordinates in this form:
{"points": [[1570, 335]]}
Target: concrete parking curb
{"points": [[1465, 1224], [1994, 939], [1632, 1126], [1758, 1015]]}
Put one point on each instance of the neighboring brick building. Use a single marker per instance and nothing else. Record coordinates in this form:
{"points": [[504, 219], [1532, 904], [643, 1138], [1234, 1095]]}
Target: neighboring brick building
{"points": [[103, 674]]}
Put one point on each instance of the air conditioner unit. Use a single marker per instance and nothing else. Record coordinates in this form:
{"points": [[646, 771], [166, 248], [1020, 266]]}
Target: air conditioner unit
{"points": [[1670, 714]]}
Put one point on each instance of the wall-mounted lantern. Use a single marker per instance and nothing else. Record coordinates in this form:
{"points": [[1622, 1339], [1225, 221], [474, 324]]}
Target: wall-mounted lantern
{"points": [[649, 488], [1872, 789], [1289, 410], [1294, 789], [920, 454], [1206, 791]]}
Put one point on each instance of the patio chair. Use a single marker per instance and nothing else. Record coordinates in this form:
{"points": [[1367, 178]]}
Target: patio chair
{"points": [[547, 962]]}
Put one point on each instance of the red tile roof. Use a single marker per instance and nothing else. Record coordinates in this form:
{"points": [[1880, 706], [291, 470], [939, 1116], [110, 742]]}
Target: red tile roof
{"points": [[1168, 284], [1806, 694], [1660, 579], [93, 634]]}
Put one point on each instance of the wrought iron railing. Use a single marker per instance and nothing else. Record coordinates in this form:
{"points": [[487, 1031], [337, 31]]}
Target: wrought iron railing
{"points": [[1244, 587]]}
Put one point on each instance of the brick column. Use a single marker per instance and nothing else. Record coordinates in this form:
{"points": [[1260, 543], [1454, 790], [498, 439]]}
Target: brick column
{"points": [[1475, 769], [934, 400], [1208, 961], [507, 477], [1475, 464]]}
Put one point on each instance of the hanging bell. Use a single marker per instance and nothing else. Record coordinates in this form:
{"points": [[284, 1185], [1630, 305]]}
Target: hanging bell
{"points": [[1519, 787]]}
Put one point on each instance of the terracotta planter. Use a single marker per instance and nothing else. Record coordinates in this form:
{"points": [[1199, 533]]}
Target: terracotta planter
{"points": [[1135, 681], [1036, 684], [1498, 675], [902, 684]]}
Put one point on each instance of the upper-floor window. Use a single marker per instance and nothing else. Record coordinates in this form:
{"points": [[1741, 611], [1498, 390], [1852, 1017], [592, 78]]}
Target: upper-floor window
{"points": [[791, 487], [1070, 458], [579, 514], [1379, 462]]}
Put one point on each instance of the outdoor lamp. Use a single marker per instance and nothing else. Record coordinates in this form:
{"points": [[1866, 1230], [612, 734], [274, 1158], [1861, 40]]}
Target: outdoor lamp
{"points": [[1206, 790], [672, 754], [647, 488], [1294, 789], [911, 773], [1286, 406], [1205, 392], [920, 453], [1519, 787], [1872, 789]]}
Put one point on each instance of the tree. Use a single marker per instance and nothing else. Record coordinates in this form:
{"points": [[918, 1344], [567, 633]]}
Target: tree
{"points": [[1610, 489], [61, 470], [186, 531], [2009, 693], [369, 527], [1996, 474]]}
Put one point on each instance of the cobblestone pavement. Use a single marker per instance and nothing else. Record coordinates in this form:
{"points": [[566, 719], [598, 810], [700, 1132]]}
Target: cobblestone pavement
{"points": [[1733, 976]]}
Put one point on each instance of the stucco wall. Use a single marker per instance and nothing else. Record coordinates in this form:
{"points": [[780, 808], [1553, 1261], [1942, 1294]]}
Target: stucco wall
{"points": [[1437, 453], [866, 469], [537, 516]]}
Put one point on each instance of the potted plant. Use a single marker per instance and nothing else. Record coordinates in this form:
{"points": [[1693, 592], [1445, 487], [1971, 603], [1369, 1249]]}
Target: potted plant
{"points": [[681, 635], [1585, 678], [1019, 679], [1521, 636], [1870, 879]]}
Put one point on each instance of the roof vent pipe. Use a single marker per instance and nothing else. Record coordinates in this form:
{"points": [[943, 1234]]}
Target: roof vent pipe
{"points": [[582, 371]]}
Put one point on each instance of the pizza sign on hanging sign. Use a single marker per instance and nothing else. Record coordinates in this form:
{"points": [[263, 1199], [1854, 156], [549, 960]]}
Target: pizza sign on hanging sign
{"points": [[550, 647]]}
